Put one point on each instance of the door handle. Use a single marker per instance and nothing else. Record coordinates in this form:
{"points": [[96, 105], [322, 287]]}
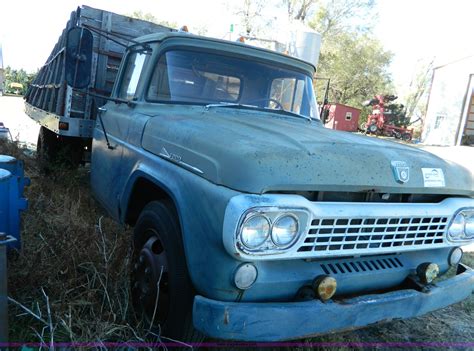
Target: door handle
{"points": [[102, 109]]}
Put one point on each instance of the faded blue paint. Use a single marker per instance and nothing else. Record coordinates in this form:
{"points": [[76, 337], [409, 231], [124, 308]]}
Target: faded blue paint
{"points": [[12, 183], [292, 320], [249, 152]]}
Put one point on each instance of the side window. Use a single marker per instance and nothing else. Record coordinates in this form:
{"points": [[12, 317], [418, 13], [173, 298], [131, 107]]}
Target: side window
{"points": [[288, 92], [131, 76]]}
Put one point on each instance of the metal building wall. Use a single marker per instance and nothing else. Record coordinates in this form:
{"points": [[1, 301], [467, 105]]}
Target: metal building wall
{"points": [[1, 69], [449, 96]]}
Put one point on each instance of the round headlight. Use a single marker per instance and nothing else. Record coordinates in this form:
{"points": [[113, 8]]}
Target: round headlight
{"points": [[255, 231], [469, 225], [284, 230], [457, 227]]}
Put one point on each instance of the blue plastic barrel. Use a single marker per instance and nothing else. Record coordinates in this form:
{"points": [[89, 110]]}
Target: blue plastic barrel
{"points": [[16, 167], [12, 202]]}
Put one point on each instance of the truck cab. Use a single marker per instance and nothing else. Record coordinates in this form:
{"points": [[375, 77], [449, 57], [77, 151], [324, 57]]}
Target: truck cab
{"points": [[254, 222]]}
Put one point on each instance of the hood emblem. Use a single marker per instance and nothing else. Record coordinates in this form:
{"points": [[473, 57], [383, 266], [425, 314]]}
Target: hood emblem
{"points": [[401, 171]]}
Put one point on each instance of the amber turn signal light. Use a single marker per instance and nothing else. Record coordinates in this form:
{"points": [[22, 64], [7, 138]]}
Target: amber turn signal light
{"points": [[63, 125], [325, 287], [427, 272]]}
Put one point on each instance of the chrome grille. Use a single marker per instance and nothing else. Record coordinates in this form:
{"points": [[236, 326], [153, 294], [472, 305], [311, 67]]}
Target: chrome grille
{"points": [[336, 236]]}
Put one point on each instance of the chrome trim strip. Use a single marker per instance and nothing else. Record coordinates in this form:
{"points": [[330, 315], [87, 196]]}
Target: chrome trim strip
{"points": [[177, 159]]}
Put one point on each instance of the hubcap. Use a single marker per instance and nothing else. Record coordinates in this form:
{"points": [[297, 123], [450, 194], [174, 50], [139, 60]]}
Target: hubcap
{"points": [[151, 278]]}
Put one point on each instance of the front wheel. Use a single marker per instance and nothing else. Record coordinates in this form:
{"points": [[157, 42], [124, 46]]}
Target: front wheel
{"points": [[373, 128], [162, 291]]}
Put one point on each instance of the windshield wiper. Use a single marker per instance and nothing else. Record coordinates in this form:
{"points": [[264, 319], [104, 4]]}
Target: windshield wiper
{"points": [[294, 114], [229, 104], [280, 111]]}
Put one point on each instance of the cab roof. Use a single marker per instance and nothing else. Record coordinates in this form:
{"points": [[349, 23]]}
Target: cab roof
{"points": [[187, 39]]}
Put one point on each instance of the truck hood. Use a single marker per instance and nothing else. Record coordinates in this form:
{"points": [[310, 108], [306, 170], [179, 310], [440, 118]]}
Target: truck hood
{"points": [[257, 152]]}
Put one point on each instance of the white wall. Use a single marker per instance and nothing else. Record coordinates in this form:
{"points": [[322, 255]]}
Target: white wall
{"points": [[446, 102]]}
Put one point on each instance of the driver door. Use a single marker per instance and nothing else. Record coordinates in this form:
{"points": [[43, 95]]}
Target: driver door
{"points": [[107, 173]]}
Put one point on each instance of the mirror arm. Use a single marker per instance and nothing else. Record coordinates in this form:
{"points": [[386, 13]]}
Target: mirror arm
{"points": [[108, 36], [102, 110], [117, 100]]}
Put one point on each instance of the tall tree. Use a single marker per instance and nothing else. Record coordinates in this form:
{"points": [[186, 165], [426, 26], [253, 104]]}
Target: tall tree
{"points": [[18, 76], [416, 99], [251, 14], [354, 60], [357, 65], [334, 17], [147, 16], [299, 9]]}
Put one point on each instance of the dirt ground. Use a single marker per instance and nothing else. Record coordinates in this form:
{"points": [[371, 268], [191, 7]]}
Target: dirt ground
{"points": [[22, 128], [74, 253]]}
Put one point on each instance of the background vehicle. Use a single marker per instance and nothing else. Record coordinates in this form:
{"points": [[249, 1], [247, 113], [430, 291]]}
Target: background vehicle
{"points": [[380, 123], [5, 132], [251, 220], [67, 115]]}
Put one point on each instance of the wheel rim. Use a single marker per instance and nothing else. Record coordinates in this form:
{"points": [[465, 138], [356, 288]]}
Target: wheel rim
{"points": [[151, 267]]}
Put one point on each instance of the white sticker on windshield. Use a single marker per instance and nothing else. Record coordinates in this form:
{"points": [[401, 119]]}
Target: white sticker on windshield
{"points": [[433, 177]]}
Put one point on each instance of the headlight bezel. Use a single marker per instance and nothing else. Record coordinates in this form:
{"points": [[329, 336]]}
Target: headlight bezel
{"points": [[273, 214], [463, 237]]}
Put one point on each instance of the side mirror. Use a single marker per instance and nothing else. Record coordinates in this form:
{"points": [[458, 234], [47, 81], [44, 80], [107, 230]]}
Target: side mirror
{"points": [[79, 57]]}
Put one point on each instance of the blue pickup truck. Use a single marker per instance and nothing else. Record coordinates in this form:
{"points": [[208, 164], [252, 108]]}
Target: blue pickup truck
{"points": [[251, 220]]}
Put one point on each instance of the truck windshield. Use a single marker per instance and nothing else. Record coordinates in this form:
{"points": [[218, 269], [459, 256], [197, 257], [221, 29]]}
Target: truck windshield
{"points": [[209, 78]]}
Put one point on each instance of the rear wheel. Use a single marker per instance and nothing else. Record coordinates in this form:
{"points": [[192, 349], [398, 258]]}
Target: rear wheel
{"points": [[46, 147], [53, 149], [162, 291]]}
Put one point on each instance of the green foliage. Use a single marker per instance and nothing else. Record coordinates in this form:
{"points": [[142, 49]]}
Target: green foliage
{"points": [[354, 60], [357, 65], [147, 16], [397, 115], [333, 17], [18, 77]]}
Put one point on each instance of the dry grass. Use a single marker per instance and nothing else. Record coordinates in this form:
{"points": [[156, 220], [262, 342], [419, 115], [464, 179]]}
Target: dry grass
{"points": [[72, 274]]}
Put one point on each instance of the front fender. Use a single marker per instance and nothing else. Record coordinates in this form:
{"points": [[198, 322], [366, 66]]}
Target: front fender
{"points": [[201, 207]]}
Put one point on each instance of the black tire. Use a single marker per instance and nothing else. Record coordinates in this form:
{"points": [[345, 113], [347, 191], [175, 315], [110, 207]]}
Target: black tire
{"points": [[46, 148], [60, 150], [70, 151], [406, 136], [158, 252], [373, 129]]}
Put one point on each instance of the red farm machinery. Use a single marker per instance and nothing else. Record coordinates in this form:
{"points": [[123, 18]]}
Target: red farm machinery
{"points": [[381, 121]]}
